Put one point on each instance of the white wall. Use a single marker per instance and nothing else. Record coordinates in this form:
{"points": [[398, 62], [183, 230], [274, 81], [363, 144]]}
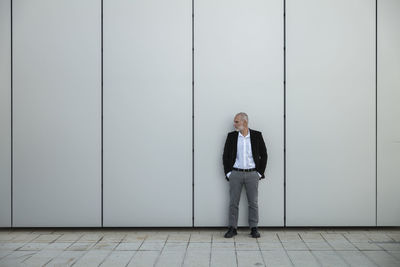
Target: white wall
{"points": [[5, 114], [388, 113], [330, 119], [56, 113], [238, 66], [147, 113], [149, 134]]}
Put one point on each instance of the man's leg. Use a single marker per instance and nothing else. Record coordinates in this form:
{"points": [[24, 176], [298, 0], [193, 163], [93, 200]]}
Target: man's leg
{"points": [[235, 188], [251, 185]]}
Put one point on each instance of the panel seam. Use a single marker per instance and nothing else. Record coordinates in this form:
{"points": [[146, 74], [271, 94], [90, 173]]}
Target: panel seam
{"points": [[376, 113], [101, 78], [192, 113], [284, 113], [12, 139]]}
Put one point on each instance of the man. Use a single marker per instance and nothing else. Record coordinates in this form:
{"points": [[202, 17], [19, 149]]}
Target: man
{"points": [[244, 159]]}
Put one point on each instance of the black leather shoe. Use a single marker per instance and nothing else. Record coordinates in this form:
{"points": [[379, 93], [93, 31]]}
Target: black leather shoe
{"points": [[231, 232], [254, 233]]}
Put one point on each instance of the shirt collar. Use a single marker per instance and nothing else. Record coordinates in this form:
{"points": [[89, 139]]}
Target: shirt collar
{"points": [[248, 134]]}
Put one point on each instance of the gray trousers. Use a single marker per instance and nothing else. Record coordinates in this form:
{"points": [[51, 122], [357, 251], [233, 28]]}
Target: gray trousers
{"points": [[250, 181]]}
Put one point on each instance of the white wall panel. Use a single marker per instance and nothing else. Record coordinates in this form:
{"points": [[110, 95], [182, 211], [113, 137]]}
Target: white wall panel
{"points": [[57, 113], [5, 114], [147, 113], [330, 115], [388, 113], [238, 66]]}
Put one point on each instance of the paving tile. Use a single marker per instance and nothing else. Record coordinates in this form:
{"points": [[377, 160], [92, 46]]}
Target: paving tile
{"points": [[69, 237], [395, 253], [355, 258], [34, 246], [41, 258], [318, 246], [129, 246], [329, 258], [247, 246], [178, 238], [270, 237], [6, 237], [43, 231], [311, 237], [118, 258], [302, 258], [92, 258], [250, 258], [197, 258], [4, 253], [157, 237], [80, 246], [356, 237], [382, 258], [134, 237], [221, 258], [389, 246], [199, 246], [245, 238], [105, 245], [223, 246], [46, 238], [378, 237], [66, 258], [204, 237], [366, 246], [144, 258], [152, 245], [170, 258], [24, 237], [16, 258], [278, 258], [395, 236], [90, 237], [58, 246], [176, 246], [113, 237], [333, 237], [270, 246], [286, 237], [294, 245], [342, 245], [11, 245]]}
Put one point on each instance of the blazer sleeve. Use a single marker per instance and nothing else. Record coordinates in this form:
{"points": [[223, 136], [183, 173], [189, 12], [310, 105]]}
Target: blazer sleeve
{"points": [[226, 155], [263, 154]]}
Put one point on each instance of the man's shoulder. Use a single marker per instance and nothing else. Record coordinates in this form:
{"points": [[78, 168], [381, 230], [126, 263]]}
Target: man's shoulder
{"points": [[255, 131], [232, 133]]}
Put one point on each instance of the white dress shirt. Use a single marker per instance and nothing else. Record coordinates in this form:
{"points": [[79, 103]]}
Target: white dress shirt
{"points": [[244, 155]]}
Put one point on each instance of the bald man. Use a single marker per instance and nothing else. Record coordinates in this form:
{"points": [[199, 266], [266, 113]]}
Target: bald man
{"points": [[244, 159]]}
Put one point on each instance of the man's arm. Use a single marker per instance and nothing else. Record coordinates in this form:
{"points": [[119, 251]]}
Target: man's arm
{"points": [[225, 158], [263, 155]]}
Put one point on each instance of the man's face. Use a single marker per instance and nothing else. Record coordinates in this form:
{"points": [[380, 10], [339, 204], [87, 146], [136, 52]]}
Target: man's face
{"points": [[238, 123]]}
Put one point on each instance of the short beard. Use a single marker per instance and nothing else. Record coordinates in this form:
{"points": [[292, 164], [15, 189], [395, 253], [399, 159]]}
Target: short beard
{"points": [[239, 129]]}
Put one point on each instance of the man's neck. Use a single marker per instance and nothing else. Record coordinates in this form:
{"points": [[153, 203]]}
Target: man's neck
{"points": [[245, 131]]}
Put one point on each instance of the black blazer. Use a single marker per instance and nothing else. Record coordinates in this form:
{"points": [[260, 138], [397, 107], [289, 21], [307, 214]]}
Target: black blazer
{"points": [[258, 148]]}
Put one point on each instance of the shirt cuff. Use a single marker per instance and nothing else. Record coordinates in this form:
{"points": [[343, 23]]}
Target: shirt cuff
{"points": [[229, 173], [259, 174]]}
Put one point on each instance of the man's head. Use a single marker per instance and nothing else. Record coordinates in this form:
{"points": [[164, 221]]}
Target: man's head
{"points": [[241, 121]]}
